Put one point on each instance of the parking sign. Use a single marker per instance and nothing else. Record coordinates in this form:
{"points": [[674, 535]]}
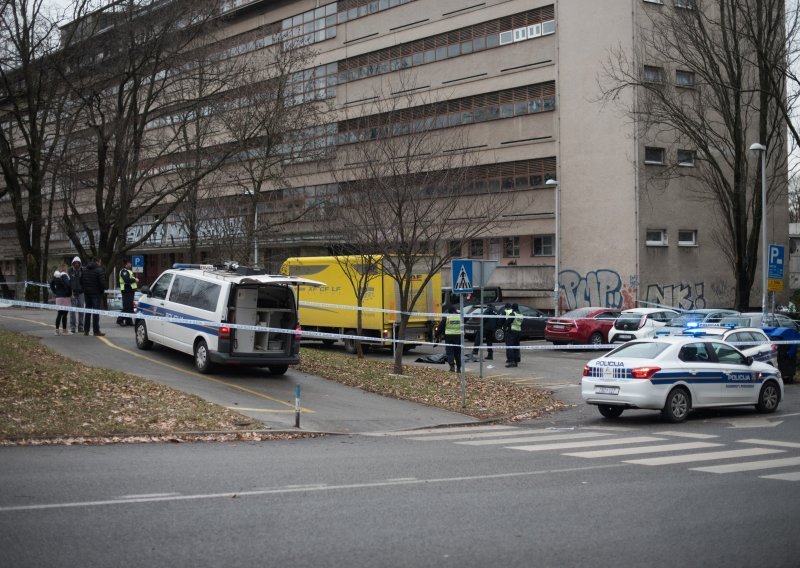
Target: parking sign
{"points": [[137, 263], [776, 256]]}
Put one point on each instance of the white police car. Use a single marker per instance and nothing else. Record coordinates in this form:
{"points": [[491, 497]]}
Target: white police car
{"points": [[749, 340], [676, 374]]}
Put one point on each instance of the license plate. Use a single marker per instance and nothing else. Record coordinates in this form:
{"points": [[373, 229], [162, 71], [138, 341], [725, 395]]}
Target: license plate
{"points": [[624, 336], [606, 390], [556, 326]]}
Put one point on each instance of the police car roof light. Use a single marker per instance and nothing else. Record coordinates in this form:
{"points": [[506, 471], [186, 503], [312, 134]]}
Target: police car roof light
{"points": [[692, 324], [662, 333], [183, 265], [694, 332]]}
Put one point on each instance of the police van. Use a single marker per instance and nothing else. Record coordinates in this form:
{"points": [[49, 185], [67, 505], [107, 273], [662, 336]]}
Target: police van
{"points": [[220, 296]]}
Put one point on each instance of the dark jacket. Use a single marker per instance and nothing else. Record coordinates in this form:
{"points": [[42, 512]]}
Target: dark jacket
{"points": [[93, 279], [59, 285], [75, 279], [490, 324]]}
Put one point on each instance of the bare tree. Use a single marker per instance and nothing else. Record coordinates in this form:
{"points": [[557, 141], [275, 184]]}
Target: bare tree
{"points": [[125, 160], [405, 193], [32, 101], [278, 125], [716, 108]]}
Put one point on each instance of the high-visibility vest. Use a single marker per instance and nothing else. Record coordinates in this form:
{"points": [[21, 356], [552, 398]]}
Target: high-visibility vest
{"points": [[516, 324], [453, 326], [124, 285]]}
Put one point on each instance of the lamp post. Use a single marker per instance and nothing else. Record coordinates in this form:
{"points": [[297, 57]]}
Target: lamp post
{"points": [[763, 150], [556, 239], [255, 226]]}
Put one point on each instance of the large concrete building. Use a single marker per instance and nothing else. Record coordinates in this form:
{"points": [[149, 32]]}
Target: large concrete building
{"points": [[523, 78]]}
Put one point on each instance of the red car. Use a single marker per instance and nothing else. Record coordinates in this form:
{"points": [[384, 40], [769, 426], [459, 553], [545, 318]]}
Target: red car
{"points": [[584, 326]]}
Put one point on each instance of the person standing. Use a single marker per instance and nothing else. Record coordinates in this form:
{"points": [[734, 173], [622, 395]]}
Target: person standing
{"points": [[513, 332], [93, 282], [489, 327], [75, 272], [127, 286], [450, 328], [60, 286]]}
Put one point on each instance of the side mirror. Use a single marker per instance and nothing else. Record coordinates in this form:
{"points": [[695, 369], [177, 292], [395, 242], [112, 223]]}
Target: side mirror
{"points": [[145, 290], [748, 361]]}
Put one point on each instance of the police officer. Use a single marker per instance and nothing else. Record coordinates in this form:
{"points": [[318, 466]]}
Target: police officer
{"points": [[450, 328], [127, 285], [513, 331]]}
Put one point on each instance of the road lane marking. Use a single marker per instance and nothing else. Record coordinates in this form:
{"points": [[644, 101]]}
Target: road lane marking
{"points": [[434, 431], [544, 437], [685, 435], [534, 434], [643, 450], [301, 489], [793, 476], [709, 456], [205, 377], [569, 445], [27, 320], [749, 466]]}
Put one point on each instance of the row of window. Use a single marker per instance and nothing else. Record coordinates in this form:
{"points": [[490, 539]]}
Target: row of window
{"points": [[654, 74], [654, 155], [677, 3], [658, 238], [505, 247]]}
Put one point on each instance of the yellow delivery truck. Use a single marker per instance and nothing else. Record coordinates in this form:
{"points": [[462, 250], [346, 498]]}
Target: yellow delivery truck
{"points": [[329, 308]]}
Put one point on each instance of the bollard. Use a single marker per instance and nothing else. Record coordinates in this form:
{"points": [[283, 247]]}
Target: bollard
{"points": [[297, 406]]}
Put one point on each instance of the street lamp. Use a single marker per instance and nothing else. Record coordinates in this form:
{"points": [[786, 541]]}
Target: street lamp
{"points": [[556, 239], [763, 150], [255, 226]]}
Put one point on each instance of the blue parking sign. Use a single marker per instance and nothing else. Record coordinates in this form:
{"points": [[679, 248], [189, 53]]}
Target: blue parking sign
{"points": [[137, 262], [775, 256]]}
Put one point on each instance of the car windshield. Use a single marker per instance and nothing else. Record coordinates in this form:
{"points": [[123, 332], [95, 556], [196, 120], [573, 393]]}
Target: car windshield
{"points": [[579, 313], [639, 350], [630, 316], [687, 317]]}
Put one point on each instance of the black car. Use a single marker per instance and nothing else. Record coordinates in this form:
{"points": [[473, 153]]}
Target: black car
{"points": [[532, 324]]}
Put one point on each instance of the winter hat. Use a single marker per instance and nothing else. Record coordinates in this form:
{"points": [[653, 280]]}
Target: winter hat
{"points": [[77, 259]]}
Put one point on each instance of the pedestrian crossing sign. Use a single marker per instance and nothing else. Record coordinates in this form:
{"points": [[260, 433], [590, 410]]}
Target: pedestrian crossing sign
{"points": [[461, 272]]}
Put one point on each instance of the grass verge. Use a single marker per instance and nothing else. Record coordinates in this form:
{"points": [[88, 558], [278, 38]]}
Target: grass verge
{"points": [[485, 398]]}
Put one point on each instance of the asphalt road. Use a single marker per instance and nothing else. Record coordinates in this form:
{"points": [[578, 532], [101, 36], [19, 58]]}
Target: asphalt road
{"points": [[571, 489]]}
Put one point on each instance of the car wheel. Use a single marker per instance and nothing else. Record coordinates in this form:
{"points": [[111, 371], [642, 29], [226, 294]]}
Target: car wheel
{"points": [[202, 361], [596, 338], [678, 405], [499, 335], [768, 398], [609, 411], [278, 369], [328, 342], [141, 337], [350, 346]]}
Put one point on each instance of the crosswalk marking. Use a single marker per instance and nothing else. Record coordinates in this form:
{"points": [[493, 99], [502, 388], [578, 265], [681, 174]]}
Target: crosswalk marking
{"points": [[568, 445], [771, 443], [532, 434], [643, 450], [709, 456], [793, 476], [749, 466], [686, 435], [542, 438]]}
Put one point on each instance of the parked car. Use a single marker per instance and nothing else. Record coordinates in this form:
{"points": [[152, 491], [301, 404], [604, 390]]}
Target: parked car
{"points": [[115, 299], [757, 319], [749, 340], [532, 324], [697, 318], [638, 323], [675, 374], [583, 326]]}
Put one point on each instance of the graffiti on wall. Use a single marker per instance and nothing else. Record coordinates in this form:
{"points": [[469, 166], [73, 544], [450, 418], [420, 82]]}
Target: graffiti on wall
{"points": [[680, 295], [603, 288]]}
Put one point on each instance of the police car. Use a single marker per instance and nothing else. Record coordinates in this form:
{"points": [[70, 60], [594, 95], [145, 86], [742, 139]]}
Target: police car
{"points": [[749, 340], [675, 374]]}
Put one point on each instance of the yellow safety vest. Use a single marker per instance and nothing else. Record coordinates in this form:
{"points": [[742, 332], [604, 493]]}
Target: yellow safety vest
{"points": [[122, 283], [453, 326], [516, 324]]}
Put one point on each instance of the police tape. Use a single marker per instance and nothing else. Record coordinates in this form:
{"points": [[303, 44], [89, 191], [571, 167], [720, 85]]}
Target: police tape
{"points": [[320, 334]]}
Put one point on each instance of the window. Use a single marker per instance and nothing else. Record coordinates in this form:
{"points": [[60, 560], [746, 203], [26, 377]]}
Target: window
{"points": [[494, 249], [159, 289], [653, 155], [656, 237], [455, 249], [535, 30], [521, 34], [689, 4], [511, 247], [506, 37], [727, 354], [686, 157], [687, 238], [476, 248], [548, 27], [543, 245], [684, 78], [653, 74]]}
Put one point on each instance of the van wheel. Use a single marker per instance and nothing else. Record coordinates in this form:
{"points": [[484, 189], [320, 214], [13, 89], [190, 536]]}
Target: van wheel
{"points": [[350, 346], [328, 342], [278, 369], [141, 337], [202, 362]]}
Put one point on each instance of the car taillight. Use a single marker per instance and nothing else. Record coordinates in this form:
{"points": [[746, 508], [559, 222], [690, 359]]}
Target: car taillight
{"points": [[642, 321], [644, 372], [224, 332], [386, 334], [587, 370], [297, 333]]}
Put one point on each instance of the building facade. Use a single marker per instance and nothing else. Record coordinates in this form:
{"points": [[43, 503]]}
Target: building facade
{"points": [[521, 79]]}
